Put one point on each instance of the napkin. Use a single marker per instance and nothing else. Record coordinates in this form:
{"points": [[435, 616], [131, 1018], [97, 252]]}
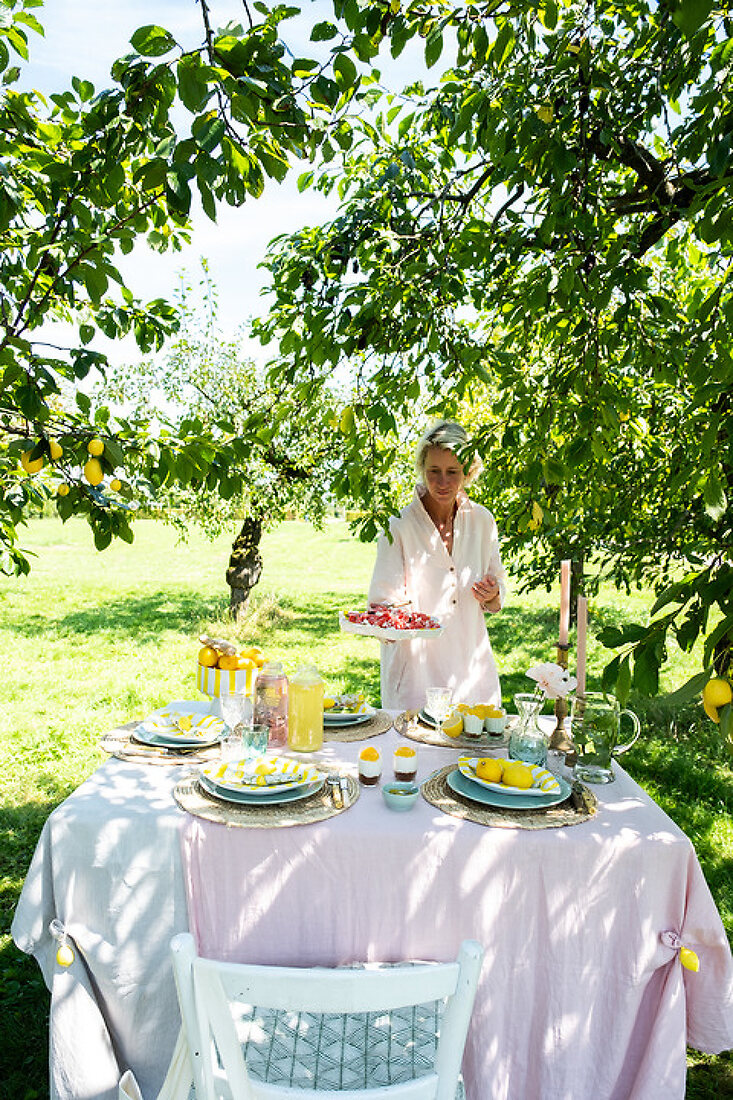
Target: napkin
{"points": [[174, 721], [261, 772]]}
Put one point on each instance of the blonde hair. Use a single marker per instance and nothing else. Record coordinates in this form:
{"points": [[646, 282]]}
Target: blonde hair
{"points": [[448, 436]]}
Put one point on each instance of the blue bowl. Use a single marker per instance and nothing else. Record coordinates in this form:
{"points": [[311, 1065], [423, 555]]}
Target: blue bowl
{"points": [[400, 796]]}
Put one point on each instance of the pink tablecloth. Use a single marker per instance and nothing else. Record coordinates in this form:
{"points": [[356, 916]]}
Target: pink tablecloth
{"points": [[580, 994]]}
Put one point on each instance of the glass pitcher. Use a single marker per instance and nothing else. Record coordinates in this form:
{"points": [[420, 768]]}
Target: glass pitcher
{"points": [[271, 702], [595, 726], [305, 710], [528, 742]]}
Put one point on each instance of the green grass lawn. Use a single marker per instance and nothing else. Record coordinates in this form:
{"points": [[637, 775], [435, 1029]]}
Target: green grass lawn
{"points": [[91, 640]]}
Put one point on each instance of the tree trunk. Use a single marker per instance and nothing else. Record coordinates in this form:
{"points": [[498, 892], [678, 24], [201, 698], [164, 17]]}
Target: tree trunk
{"points": [[245, 565]]}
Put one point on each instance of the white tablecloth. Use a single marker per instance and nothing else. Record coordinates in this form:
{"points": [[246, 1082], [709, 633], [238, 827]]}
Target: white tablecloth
{"points": [[579, 994]]}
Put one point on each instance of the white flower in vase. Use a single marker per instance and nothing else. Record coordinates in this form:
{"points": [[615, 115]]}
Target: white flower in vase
{"points": [[552, 680]]}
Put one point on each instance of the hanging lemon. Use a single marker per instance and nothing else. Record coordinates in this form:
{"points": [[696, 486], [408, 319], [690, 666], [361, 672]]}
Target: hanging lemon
{"points": [[93, 471], [31, 466], [95, 447]]}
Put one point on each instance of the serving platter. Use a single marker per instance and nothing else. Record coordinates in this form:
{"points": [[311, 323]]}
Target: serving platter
{"points": [[543, 781]]}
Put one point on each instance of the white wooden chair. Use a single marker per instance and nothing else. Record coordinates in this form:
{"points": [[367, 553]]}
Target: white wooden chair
{"points": [[286, 1033]]}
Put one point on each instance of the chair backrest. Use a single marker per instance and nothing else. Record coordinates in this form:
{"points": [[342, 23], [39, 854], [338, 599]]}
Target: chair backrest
{"points": [[210, 991]]}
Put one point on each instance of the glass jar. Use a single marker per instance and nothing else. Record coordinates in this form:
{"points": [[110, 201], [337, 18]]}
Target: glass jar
{"points": [[305, 710], [527, 741], [271, 703]]}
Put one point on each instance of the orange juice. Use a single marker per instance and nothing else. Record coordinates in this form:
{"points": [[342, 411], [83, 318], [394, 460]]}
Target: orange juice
{"points": [[305, 711]]}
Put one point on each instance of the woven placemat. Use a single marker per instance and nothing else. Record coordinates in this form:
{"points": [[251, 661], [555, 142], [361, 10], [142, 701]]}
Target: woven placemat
{"points": [[119, 743], [581, 806], [193, 798], [408, 724], [378, 723]]}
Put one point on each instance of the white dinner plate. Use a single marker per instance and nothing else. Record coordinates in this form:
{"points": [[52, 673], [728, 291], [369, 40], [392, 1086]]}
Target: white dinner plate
{"points": [[235, 777], [346, 719], [543, 782], [246, 798], [468, 789]]}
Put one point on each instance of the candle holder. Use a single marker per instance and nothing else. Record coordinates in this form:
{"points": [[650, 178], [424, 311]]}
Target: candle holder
{"points": [[559, 740]]}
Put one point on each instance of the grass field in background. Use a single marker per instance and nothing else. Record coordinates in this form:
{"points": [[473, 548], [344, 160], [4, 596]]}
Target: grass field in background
{"points": [[89, 641]]}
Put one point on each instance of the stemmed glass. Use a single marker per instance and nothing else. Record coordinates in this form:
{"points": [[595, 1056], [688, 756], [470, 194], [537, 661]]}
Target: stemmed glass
{"points": [[437, 704]]}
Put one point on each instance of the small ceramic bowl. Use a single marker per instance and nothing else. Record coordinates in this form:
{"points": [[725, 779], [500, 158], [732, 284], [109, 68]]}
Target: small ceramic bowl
{"points": [[400, 796]]}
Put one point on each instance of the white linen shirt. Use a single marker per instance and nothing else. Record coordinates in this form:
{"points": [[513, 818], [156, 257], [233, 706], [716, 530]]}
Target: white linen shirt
{"points": [[416, 568]]}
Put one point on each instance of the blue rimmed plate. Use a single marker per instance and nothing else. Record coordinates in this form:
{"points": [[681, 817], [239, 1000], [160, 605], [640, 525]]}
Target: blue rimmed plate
{"points": [[459, 784], [246, 798]]}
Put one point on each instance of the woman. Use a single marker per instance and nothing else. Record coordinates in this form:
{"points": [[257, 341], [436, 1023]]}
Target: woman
{"points": [[443, 560]]}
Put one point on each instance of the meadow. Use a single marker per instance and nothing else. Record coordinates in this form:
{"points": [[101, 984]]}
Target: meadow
{"points": [[90, 640]]}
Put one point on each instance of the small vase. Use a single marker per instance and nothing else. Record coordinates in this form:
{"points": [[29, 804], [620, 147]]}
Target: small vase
{"points": [[528, 742]]}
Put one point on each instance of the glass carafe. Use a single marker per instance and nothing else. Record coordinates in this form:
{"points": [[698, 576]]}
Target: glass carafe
{"points": [[305, 710], [271, 702], [527, 741]]}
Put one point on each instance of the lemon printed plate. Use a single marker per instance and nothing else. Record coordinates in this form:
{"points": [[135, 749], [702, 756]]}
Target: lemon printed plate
{"points": [[543, 782], [264, 797], [180, 725], [260, 776], [502, 799]]}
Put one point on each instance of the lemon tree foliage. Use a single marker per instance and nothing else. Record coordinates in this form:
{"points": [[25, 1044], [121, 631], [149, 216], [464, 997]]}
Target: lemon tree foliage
{"points": [[86, 174], [544, 230], [210, 392]]}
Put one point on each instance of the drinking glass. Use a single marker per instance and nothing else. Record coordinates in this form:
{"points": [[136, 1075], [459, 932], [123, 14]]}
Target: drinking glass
{"points": [[236, 710], [437, 704]]}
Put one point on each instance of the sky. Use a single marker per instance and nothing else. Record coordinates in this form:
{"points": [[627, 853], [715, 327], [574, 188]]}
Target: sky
{"points": [[83, 38]]}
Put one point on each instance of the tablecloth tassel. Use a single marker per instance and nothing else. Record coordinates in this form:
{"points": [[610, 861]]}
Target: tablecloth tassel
{"points": [[688, 957], [65, 954]]}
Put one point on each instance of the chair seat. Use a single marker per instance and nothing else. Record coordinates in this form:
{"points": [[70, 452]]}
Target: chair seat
{"points": [[332, 1052]]}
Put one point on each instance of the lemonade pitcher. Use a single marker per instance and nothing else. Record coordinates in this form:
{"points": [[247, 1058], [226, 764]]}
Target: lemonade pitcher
{"points": [[305, 710], [595, 725]]}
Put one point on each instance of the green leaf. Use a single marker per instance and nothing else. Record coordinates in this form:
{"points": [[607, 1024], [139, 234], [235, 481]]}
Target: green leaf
{"points": [[322, 32], [689, 690], [714, 496], [113, 451], [192, 86], [691, 14], [433, 48], [623, 682], [152, 41], [344, 70], [726, 721]]}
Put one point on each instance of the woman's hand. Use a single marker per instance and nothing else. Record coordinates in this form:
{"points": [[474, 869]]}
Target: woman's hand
{"points": [[488, 594]]}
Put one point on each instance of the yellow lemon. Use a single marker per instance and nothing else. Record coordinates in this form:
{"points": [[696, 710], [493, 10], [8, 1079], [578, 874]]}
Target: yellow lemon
{"points": [[55, 450], [63, 489], [489, 770], [517, 775], [545, 113], [93, 471], [328, 703], [228, 661], [245, 662], [453, 726], [208, 656], [115, 485], [95, 447], [717, 692], [712, 712], [31, 466]]}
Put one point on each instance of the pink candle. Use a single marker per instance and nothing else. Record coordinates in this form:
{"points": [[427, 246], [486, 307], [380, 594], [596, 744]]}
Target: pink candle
{"points": [[564, 601], [581, 644]]}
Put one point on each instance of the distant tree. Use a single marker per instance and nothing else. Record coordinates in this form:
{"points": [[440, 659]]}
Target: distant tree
{"points": [[205, 390]]}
